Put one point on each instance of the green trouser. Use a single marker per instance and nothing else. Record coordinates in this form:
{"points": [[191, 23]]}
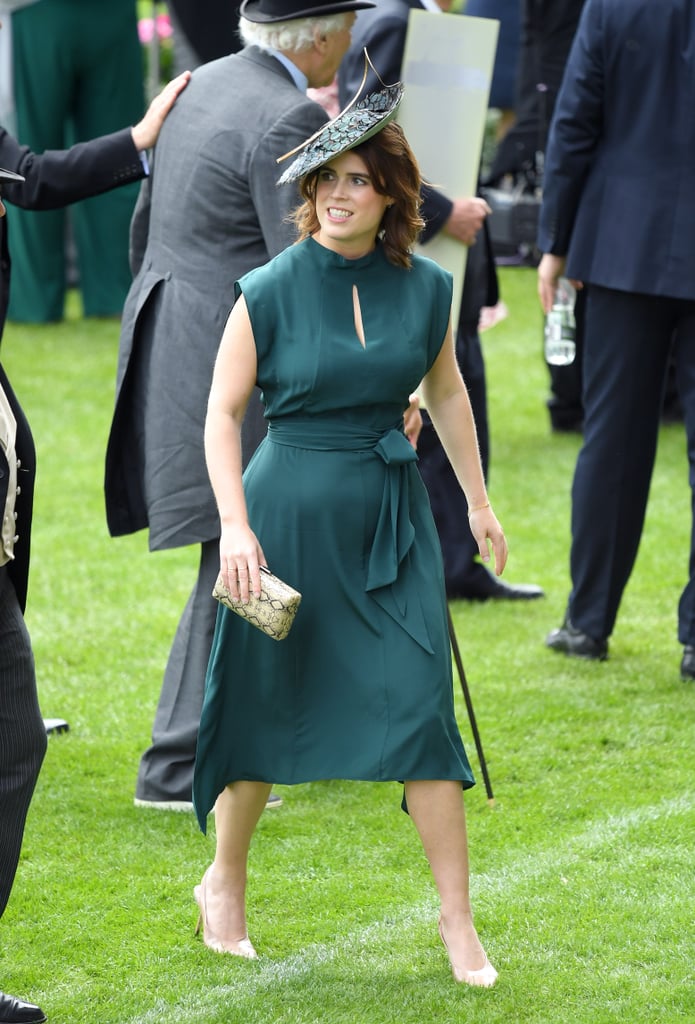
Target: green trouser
{"points": [[78, 74]]}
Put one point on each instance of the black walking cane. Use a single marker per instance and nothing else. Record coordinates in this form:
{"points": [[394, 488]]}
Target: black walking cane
{"points": [[469, 706]]}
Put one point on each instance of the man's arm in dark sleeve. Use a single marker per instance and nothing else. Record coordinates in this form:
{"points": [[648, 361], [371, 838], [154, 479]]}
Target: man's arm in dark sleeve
{"points": [[62, 176]]}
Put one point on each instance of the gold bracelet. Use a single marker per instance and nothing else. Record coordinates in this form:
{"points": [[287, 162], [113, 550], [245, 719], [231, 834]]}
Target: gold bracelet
{"points": [[478, 508]]}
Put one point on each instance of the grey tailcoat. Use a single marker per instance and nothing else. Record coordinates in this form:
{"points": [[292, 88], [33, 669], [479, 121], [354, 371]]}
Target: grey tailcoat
{"points": [[210, 212]]}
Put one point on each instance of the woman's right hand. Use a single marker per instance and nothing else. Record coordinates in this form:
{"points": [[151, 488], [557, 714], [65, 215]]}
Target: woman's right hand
{"points": [[240, 559]]}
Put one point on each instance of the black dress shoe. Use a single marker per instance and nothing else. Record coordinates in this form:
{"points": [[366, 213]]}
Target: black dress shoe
{"points": [[14, 1011], [490, 588], [571, 641], [688, 662]]}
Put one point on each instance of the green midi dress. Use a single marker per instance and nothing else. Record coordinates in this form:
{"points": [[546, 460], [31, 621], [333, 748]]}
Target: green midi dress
{"points": [[362, 686]]}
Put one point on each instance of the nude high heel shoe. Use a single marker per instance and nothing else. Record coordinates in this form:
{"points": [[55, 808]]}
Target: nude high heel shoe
{"points": [[238, 947], [484, 977]]}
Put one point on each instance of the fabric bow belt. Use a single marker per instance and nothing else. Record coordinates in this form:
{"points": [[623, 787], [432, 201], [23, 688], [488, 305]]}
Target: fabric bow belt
{"points": [[394, 534]]}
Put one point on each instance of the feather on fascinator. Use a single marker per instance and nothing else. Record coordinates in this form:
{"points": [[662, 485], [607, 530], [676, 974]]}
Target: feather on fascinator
{"points": [[356, 123]]}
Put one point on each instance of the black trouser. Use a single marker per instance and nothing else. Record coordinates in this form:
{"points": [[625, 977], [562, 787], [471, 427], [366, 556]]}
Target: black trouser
{"points": [[449, 506], [166, 767], [627, 343]]}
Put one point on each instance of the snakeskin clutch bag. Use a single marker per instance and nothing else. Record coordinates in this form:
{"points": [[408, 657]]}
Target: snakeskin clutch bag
{"points": [[273, 612]]}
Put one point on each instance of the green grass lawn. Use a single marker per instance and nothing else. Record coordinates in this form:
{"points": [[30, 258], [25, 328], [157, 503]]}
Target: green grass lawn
{"points": [[582, 869]]}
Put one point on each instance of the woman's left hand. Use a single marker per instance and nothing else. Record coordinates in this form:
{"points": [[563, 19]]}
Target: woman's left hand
{"points": [[487, 531]]}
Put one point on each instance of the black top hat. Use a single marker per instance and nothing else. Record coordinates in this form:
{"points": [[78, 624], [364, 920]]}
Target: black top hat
{"points": [[364, 116], [290, 10], [9, 176]]}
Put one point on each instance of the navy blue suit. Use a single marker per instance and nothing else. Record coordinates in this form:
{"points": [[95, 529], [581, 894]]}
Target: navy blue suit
{"points": [[210, 26], [619, 203], [383, 32]]}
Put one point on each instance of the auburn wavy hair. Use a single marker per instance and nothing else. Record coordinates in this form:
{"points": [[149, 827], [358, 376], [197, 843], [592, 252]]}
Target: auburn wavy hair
{"points": [[394, 172]]}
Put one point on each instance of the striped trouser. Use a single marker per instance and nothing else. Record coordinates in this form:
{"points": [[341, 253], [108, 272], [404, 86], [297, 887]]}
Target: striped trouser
{"points": [[22, 732]]}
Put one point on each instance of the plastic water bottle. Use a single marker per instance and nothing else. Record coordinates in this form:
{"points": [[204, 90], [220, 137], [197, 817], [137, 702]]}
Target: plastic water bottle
{"points": [[560, 326]]}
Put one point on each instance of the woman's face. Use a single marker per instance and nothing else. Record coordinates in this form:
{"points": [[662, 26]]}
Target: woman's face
{"points": [[348, 208]]}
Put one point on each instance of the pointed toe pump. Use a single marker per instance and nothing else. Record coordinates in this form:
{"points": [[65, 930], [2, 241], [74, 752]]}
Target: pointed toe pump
{"points": [[484, 977], [237, 947]]}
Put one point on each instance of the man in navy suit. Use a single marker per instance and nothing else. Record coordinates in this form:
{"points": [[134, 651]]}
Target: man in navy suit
{"points": [[618, 215], [383, 33], [210, 28]]}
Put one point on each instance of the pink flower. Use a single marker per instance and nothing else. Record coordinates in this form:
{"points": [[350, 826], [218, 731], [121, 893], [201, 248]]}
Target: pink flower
{"points": [[164, 29], [147, 27]]}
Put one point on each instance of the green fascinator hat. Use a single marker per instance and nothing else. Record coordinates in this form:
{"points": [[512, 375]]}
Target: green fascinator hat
{"points": [[364, 116]]}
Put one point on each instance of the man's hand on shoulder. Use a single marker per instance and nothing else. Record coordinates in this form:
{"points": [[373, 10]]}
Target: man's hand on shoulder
{"points": [[146, 132]]}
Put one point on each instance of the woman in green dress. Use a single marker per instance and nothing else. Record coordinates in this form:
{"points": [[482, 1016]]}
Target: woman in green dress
{"points": [[338, 330]]}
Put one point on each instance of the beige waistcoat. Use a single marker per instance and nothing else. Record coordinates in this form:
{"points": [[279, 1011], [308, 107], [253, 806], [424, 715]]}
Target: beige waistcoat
{"points": [[8, 435]]}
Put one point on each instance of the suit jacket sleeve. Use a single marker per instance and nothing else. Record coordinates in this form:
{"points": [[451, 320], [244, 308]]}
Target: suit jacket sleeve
{"points": [[140, 224], [574, 135], [59, 177], [436, 210]]}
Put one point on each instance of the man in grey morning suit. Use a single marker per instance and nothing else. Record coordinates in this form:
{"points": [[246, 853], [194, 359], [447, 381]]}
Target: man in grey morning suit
{"points": [[211, 212], [618, 214], [38, 182]]}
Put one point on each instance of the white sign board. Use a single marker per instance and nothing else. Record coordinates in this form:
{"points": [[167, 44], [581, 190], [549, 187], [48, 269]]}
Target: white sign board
{"points": [[447, 70]]}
